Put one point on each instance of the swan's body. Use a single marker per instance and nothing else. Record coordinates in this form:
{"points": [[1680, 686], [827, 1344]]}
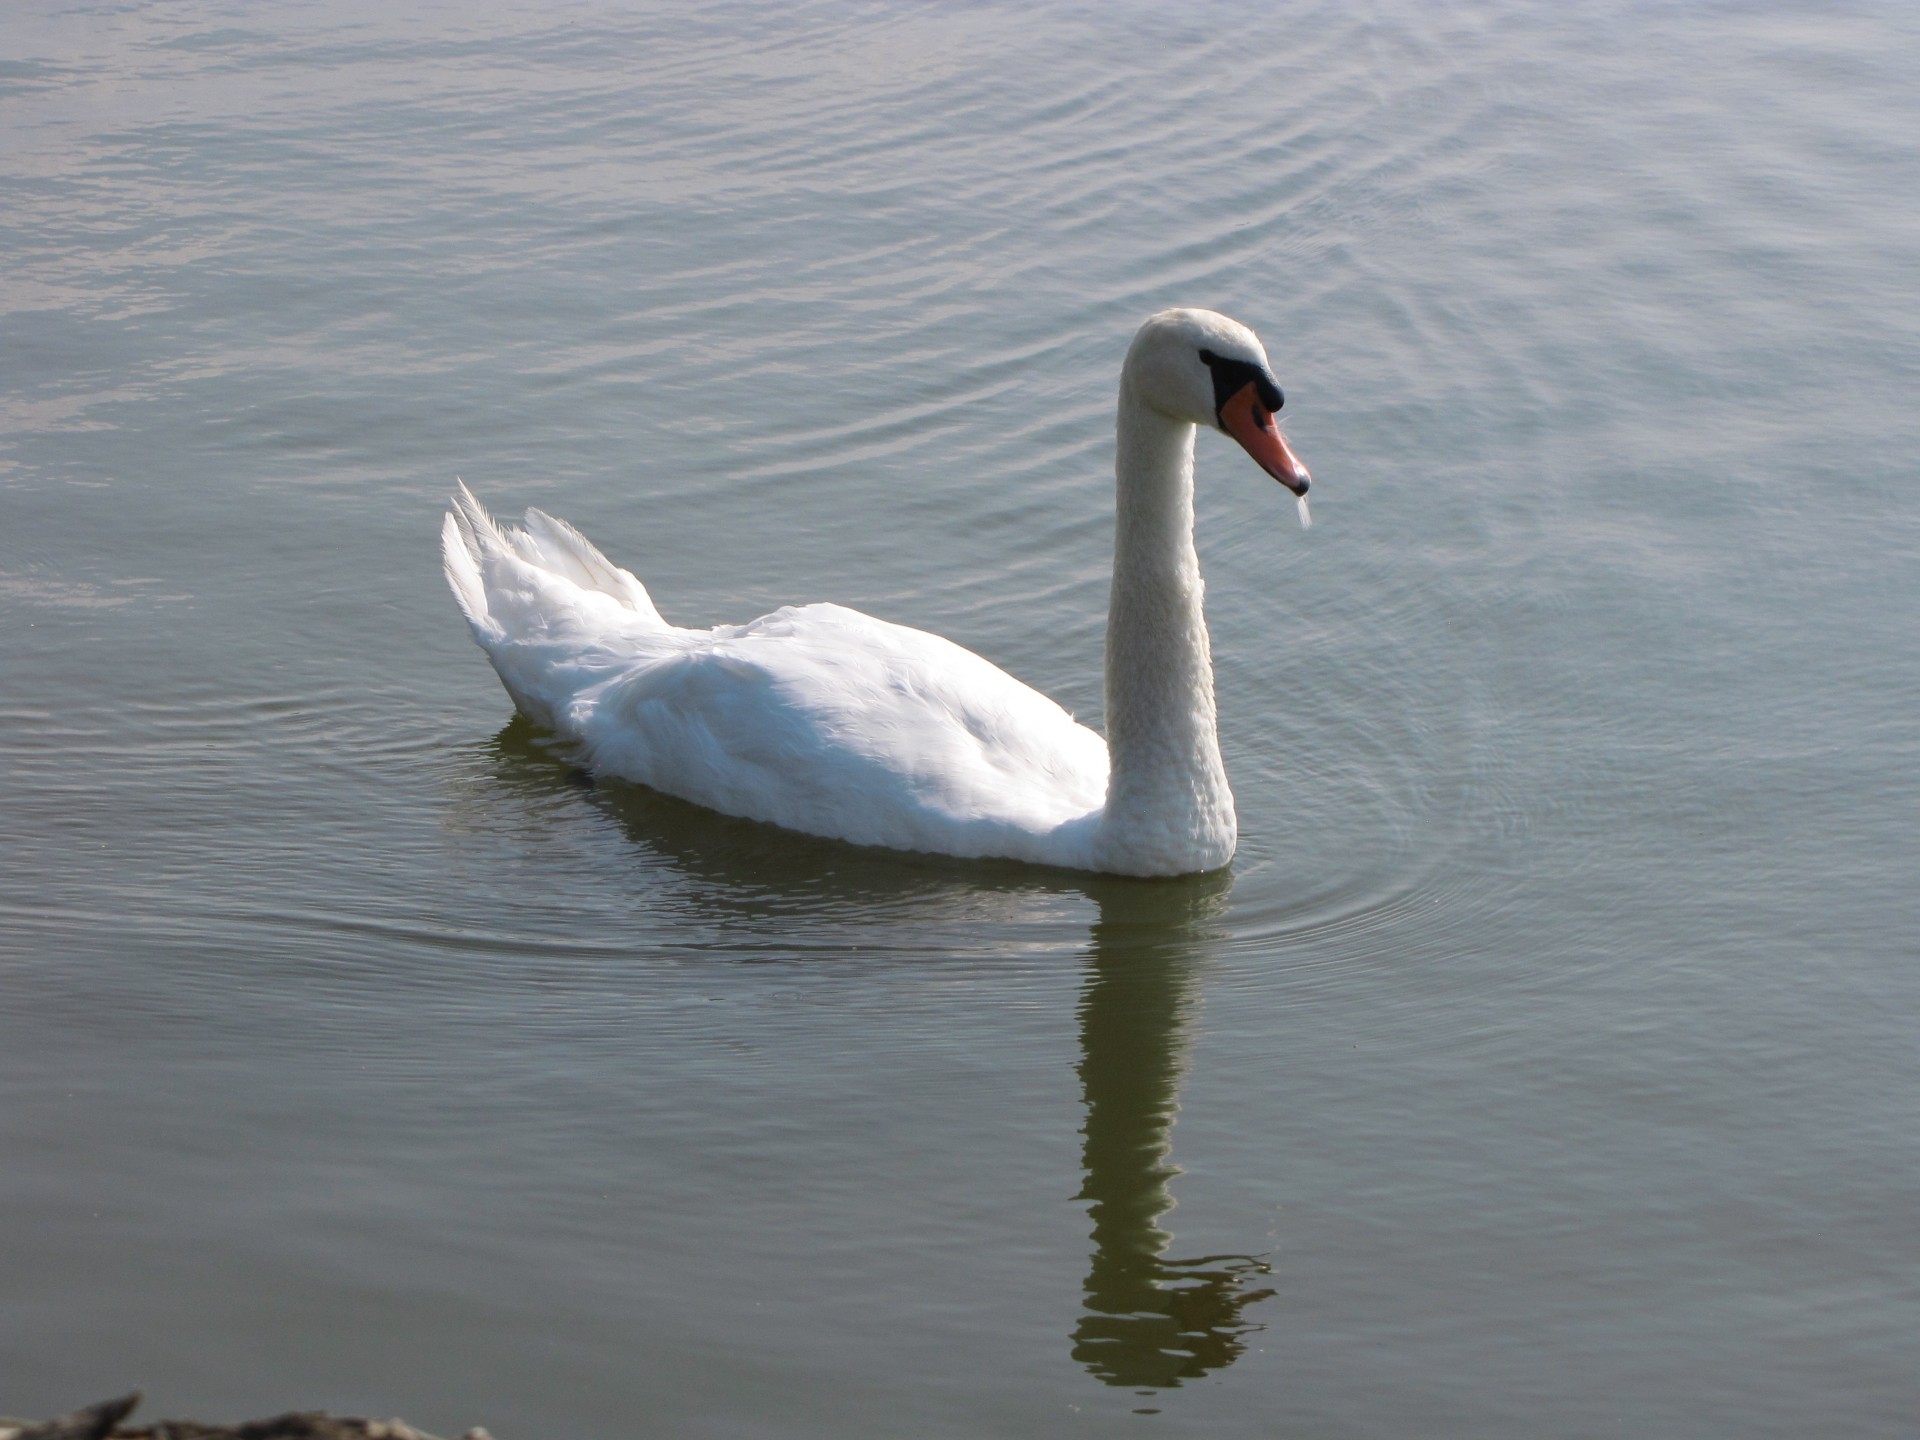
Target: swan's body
{"points": [[831, 722]]}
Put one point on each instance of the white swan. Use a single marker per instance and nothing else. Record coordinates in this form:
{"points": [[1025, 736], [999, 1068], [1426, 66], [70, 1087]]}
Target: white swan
{"points": [[829, 721]]}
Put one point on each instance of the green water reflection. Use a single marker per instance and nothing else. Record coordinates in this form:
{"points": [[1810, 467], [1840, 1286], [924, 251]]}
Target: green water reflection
{"points": [[1149, 1320]]}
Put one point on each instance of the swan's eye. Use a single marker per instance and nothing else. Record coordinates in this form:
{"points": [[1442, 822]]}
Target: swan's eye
{"points": [[1230, 377]]}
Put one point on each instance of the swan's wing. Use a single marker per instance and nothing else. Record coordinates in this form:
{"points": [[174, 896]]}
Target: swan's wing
{"points": [[515, 583], [829, 721], [565, 551]]}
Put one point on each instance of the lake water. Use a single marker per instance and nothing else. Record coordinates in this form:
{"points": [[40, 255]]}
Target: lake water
{"points": [[1544, 1066]]}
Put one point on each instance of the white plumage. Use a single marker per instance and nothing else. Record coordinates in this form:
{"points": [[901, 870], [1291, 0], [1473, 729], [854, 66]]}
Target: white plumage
{"points": [[828, 721]]}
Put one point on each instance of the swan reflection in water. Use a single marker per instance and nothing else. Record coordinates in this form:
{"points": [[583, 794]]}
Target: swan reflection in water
{"points": [[1148, 1320]]}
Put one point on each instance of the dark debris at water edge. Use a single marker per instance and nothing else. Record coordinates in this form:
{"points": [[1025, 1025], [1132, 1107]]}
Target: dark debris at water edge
{"points": [[103, 1422]]}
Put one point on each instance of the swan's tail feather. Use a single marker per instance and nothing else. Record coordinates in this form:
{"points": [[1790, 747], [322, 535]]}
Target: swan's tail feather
{"points": [[549, 609], [505, 578], [458, 557], [480, 527]]}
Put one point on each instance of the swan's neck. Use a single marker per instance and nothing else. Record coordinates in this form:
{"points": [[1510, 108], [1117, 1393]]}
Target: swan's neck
{"points": [[1168, 807]]}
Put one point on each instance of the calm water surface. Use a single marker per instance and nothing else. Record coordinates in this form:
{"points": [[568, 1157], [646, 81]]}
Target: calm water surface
{"points": [[1545, 1065]]}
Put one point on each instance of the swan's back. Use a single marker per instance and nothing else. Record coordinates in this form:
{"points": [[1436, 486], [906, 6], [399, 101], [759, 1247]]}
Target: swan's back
{"points": [[826, 720]]}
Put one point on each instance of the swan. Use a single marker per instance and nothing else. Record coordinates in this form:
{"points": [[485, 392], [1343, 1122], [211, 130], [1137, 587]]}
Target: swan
{"points": [[828, 721]]}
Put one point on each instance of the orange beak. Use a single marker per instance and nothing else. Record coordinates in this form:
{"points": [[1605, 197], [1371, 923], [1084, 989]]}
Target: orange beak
{"points": [[1251, 423]]}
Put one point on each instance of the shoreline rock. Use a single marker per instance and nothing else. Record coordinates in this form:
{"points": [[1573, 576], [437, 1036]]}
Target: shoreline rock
{"points": [[103, 1422]]}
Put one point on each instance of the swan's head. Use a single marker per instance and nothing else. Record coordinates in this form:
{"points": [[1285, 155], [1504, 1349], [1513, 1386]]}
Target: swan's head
{"points": [[1201, 367]]}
